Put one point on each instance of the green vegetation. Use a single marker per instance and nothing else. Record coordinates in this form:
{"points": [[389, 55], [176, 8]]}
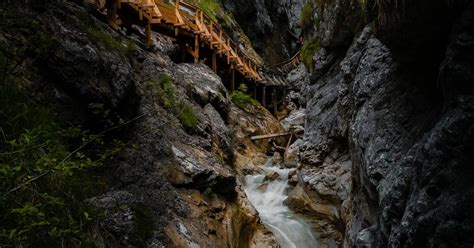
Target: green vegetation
{"points": [[363, 7], [187, 116], [307, 14], [167, 97], [98, 35], [167, 93], [323, 3], [242, 100], [310, 47], [123, 45], [211, 7], [47, 170]]}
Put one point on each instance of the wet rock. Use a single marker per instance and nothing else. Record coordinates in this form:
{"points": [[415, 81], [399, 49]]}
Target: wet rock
{"points": [[247, 166], [222, 142], [293, 178], [322, 61], [263, 22], [377, 105], [291, 155], [89, 72], [204, 86], [336, 23], [295, 119], [277, 158], [271, 177], [253, 121], [322, 216], [263, 187], [298, 77]]}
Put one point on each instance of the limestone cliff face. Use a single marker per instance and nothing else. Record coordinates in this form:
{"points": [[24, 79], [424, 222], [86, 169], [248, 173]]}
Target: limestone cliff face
{"points": [[174, 185], [391, 94], [267, 24]]}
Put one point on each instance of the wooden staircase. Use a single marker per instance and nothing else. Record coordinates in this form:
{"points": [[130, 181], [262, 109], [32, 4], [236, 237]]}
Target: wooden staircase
{"points": [[188, 20]]}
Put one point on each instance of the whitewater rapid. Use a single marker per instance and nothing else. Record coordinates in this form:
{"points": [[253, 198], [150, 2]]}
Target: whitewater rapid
{"points": [[290, 230]]}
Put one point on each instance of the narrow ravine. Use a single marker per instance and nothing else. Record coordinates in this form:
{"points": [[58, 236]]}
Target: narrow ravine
{"points": [[268, 198]]}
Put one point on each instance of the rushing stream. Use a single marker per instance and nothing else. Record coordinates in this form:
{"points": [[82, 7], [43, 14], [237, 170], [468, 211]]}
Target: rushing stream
{"points": [[289, 229]]}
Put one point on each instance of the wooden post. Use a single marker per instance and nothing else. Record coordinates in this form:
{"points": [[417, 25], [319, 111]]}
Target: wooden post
{"points": [[214, 62], [220, 43], [288, 145], [274, 101], [149, 39], [196, 48], [233, 77], [211, 30], [264, 96], [255, 91], [112, 14]]}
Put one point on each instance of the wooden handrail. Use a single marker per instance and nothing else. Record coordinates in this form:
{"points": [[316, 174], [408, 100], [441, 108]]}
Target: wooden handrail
{"points": [[186, 17]]}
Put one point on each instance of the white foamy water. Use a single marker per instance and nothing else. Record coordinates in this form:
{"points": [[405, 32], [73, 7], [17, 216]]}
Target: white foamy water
{"points": [[290, 230]]}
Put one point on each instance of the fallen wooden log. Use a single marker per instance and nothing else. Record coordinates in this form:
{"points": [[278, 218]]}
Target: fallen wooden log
{"points": [[269, 136]]}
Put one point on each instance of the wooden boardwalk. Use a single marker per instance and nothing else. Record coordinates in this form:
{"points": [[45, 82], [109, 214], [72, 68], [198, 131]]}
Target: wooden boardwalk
{"points": [[189, 21]]}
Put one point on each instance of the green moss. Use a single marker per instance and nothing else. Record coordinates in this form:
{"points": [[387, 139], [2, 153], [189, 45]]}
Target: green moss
{"points": [[167, 93], [242, 100], [186, 116], [124, 46], [167, 96], [307, 14], [211, 7], [310, 47], [363, 7]]}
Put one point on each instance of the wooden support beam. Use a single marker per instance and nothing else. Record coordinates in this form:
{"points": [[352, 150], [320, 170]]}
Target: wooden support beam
{"points": [[288, 145], [274, 101], [269, 136], [196, 49], [112, 14], [149, 38], [214, 62], [232, 77], [255, 91]]}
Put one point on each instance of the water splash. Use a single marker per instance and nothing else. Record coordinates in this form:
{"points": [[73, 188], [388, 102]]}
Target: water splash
{"points": [[289, 229]]}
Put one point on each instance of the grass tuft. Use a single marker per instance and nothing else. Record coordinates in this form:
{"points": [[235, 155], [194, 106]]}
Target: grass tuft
{"points": [[242, 100], [167, 97], [310, 47], [307, 15]]}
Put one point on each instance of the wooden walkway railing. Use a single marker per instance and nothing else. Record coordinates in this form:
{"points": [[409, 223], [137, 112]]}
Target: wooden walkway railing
{"points": [[189, 20]]}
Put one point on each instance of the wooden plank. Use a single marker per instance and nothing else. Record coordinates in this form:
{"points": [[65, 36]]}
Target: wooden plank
{"points": [[269, 136]]}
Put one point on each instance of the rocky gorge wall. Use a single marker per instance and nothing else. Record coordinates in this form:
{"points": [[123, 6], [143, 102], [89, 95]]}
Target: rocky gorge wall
{"points": [[176, 181], [386, 158], [268, 25]]}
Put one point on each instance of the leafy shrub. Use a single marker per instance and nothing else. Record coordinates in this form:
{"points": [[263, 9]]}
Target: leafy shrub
{"points": [[46, 173], [310, 47]]}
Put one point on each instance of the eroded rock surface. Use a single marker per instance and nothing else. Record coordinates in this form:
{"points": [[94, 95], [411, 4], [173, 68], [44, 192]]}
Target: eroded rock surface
{"points": [[399, 117], [174, 183]]}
